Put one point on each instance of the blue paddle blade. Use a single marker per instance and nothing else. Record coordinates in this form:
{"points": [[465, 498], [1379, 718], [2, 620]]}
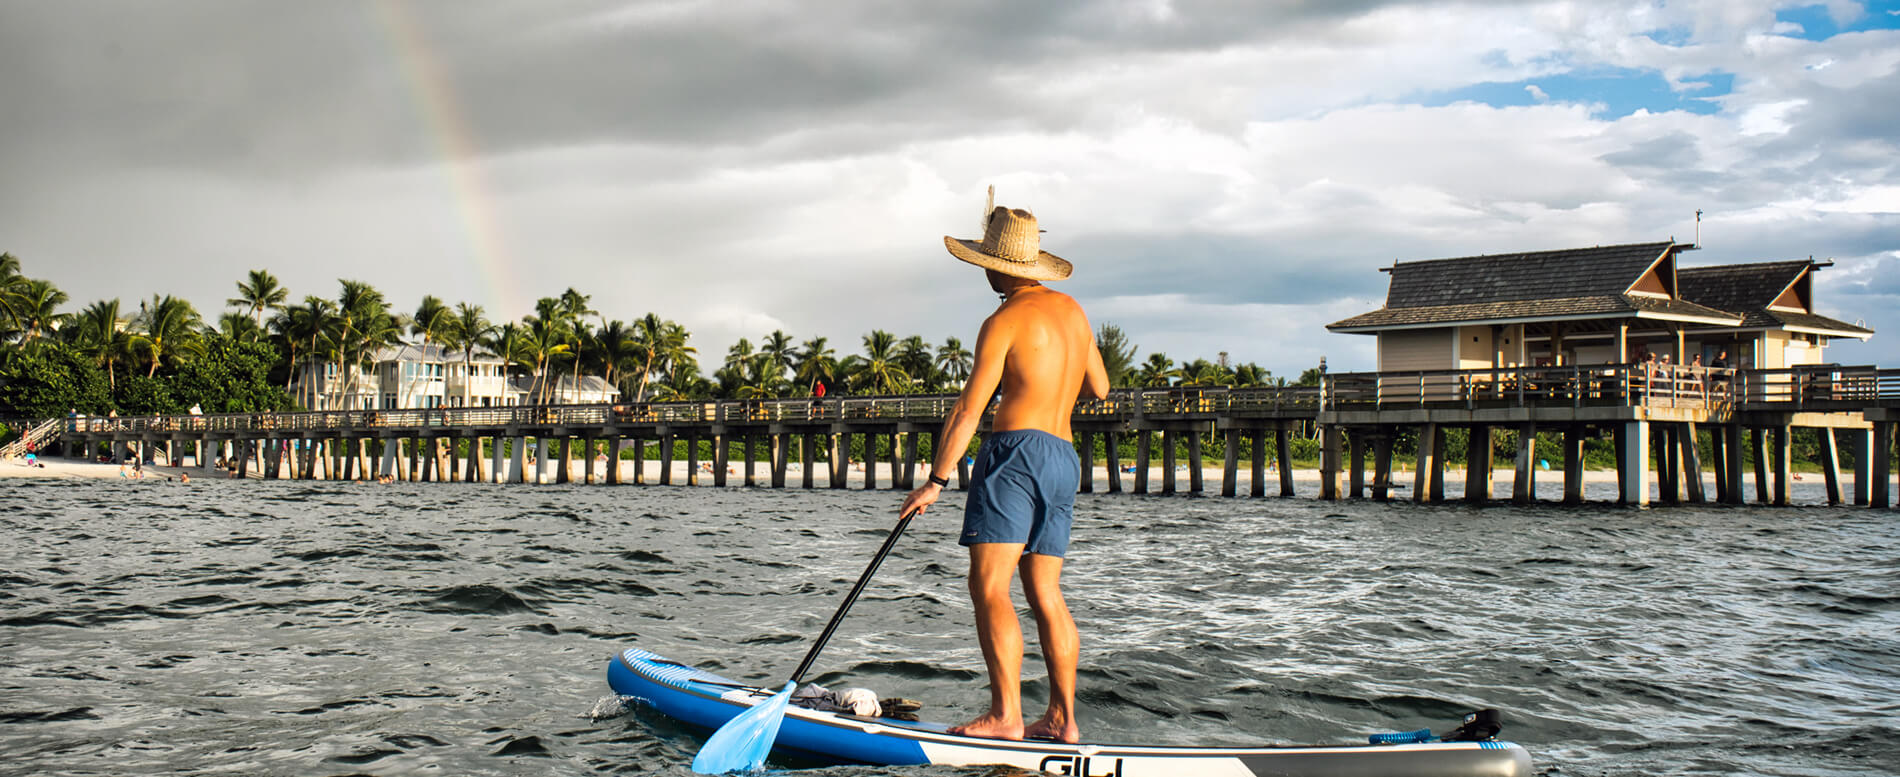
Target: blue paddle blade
{"points": [[741, 744]]}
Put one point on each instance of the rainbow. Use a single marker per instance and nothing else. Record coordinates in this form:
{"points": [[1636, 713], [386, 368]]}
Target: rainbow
{"points": [[454, 137]]}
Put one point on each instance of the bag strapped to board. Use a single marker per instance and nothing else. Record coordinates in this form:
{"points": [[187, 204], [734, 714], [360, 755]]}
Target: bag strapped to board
{"points": [[1480, 726]]}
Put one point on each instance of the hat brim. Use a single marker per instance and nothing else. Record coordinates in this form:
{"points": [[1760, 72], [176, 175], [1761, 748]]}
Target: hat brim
{"points": [[1047, 267]]}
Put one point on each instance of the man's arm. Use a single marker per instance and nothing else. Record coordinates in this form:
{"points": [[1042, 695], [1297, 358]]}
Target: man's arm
{"points": [[1095, 383], [992, 346]]}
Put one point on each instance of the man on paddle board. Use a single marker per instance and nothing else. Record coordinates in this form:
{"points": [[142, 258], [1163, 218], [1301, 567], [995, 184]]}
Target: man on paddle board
{"points": [[1038, 350]]}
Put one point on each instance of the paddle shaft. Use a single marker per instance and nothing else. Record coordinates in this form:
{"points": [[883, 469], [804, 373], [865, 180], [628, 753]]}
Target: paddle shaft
{"points": [[852, 598]]}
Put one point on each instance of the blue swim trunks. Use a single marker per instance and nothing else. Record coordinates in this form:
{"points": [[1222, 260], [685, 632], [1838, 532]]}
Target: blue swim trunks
{"points": [[1023, 491]]}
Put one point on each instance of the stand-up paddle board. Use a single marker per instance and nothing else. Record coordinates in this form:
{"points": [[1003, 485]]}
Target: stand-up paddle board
{"points": [[705, 700]]}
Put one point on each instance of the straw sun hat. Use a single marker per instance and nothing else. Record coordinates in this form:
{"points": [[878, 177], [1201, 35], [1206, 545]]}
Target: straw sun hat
{"points": [[1011, 245]]}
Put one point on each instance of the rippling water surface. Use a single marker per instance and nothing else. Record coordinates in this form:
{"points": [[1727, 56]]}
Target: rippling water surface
{"points": [[298, 628]]}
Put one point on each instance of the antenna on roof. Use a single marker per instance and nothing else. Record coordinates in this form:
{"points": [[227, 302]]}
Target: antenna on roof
{"points": [[1698, 227]]}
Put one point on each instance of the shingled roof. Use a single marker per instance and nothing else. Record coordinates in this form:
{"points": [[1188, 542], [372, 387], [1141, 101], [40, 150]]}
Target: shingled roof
{"points": [[1568, 283], [1749, 289]]}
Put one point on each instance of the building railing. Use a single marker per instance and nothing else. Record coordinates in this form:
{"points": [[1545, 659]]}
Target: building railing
{"points": [[1609, 385]]}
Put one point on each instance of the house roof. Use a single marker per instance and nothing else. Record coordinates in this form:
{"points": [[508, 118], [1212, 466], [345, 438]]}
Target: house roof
{"points": [[589, 384], [430, 352], [1749, 289], [1568, 283]]}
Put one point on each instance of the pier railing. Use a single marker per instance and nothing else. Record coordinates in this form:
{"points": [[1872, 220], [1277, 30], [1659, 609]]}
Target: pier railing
{"points": [[1817, 388], [1610, 385]]}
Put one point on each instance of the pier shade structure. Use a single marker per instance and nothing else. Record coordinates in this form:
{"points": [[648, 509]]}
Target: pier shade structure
{"points": [[1612, 343]]}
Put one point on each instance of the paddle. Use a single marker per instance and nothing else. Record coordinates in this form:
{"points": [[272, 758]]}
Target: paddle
{"points": [[743, 742]]}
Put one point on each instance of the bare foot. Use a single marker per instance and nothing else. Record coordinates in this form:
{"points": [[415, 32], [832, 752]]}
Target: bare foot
{"points": [[1054, 726], [990, 727]]}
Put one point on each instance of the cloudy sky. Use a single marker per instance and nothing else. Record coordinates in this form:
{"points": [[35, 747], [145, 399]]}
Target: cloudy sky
{"points": [[1226, 175]]}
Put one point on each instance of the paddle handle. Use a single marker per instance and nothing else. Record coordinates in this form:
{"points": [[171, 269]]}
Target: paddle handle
{"points": [[852, 598]]}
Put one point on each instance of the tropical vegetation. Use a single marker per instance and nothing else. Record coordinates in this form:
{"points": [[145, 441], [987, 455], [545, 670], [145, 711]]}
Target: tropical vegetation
{"points": [[272, 350]]}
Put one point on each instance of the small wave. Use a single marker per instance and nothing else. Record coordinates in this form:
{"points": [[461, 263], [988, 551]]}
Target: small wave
{"points": [[477, 600], [76, 713]]}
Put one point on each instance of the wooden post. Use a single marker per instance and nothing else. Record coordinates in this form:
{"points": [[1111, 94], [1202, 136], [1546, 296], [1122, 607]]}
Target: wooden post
{"points": [[1168, 443], [1732, 461], [1382, 465], [1633, 463], [520, 458], [1329, 455], [1666, 469], [1141, 460], [1478, 483], [1087, 455], [897, 481], [494, 459], [1761, 465], [1718, 455], [1692, 464], [781, 458], [1356, 480], [1863, 448], [543, 458], [1784, 452], [1230, 463], [1285, 453], [1619, 441], [1194, 462], [809, 465], [1830, 465], [1573, 464], [1257, 466], [1427, 463], [910, 461], [1882, 464], [666, 459], [474, 473], [1524, 481], [563, 443], [613, 460], [746, 442], [692, 459], [834, 459], [870, 461], [1114, 463]]}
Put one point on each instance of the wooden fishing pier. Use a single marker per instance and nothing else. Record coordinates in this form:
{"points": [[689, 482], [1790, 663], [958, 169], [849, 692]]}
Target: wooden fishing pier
{"points": [[1648, 412]]}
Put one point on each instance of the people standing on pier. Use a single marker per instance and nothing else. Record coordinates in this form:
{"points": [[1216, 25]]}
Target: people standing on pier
{"points": [[1039, 350]]}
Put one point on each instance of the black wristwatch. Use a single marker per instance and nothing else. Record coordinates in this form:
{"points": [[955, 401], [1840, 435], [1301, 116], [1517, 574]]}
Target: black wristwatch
{"points": [[942, 482]]}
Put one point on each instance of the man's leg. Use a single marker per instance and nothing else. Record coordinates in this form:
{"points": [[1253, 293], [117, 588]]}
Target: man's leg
{"points": [[1000, 634], [1061, 646]]}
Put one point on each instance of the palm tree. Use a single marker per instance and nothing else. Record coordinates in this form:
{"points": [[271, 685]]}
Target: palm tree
{"points": [[1157, 371], [878, 370], [776, 355], [237, 326], [574, 310], [101, 336], [953, 362], [467, 328], [35, 307], [612, 348], [258, 293], [364, 325], [434, 320], [1251, 374], [913, 355], [166, 330], [546, 333], [1118, 354], [309, 327], [1203, 373], [510, 342], [10, 280], [816, 362]]}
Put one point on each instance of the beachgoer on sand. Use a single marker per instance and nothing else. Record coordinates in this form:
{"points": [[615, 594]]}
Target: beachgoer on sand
{"points": [[1036, 347]]}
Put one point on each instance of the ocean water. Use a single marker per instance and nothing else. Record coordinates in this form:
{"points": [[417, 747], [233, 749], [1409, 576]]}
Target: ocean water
{"points": [[301, 628]]}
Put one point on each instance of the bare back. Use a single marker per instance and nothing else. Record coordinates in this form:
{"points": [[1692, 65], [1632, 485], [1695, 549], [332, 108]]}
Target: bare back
{"points": [[1047, 356]]}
